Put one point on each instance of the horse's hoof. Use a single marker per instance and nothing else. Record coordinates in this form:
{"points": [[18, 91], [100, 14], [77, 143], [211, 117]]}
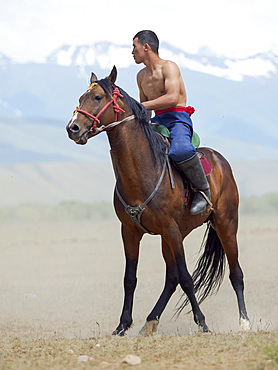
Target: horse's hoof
{"points": [[120, 332], [149, 328], [244, 325], [204, 329]]}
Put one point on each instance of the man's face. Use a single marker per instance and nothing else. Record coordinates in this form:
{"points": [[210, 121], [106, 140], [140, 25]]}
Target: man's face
{"points": [[138, 51]]}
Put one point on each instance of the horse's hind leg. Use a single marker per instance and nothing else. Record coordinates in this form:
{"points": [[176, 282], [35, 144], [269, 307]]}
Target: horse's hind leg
{"points": [[131, 239], [171, 282], [173, 236], [226, 230]]}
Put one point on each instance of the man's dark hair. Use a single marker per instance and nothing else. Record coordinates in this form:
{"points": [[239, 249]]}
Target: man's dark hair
{"points": [[149, 37]]}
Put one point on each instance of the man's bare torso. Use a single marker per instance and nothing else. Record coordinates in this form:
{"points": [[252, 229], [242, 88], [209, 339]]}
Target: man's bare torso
{"points": [[152, 83]]}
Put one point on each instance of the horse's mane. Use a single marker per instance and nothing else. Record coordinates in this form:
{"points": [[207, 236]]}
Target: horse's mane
{"points": [[157, 145]]}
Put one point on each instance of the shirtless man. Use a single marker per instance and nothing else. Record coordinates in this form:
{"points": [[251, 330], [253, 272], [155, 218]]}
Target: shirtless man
{"points": [[162, 89]]}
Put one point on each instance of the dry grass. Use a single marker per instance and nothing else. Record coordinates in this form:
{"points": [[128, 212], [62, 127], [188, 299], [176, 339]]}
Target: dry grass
{"points": [[205, 351]]}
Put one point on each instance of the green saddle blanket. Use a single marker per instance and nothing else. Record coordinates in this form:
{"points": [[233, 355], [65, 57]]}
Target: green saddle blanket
{"points": [[162, 130]]}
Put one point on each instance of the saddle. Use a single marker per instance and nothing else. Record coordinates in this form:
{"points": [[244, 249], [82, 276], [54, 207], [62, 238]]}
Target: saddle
{"points": [[164, 132], [195, 141]]}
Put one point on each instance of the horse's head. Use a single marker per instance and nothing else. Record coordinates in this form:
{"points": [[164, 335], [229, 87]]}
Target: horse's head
{"points": [[97, 108]]}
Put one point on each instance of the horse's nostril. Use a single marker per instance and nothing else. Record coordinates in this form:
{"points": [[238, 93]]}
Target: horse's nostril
{"points": [[74, 128]]}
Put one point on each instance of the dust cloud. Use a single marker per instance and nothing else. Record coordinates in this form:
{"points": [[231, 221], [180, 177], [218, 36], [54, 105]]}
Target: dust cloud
{"points": [[64, 279]]}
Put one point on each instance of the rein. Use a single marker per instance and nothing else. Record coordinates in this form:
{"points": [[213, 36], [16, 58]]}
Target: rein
{"points": [[116, 93], [98, 130]]}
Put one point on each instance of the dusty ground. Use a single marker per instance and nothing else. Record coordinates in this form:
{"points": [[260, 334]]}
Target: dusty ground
{"points": [[64, 280], [205, 351]]}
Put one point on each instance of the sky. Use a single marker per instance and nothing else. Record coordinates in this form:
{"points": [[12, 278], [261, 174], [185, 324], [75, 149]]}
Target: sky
{"points": [[30, 30]]}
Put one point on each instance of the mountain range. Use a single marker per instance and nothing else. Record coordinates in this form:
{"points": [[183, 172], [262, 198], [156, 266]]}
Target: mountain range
{"points": [[235, 101]]}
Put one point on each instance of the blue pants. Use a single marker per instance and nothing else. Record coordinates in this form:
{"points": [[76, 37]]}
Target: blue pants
{"points": [[181, 129]]}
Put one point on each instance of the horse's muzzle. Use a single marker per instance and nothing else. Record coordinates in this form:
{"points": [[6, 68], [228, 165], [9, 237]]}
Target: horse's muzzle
{"points": [[76, 134]]}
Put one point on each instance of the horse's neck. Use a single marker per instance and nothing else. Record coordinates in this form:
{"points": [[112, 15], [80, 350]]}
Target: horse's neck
{"points": [[132, 154]]}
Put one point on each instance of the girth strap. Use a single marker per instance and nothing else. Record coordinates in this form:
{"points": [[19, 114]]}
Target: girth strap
{"points": [[135, 213]]}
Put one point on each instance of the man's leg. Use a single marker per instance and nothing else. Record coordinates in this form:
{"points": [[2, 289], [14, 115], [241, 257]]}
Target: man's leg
{"points": [[183, 153], [193, 170]]}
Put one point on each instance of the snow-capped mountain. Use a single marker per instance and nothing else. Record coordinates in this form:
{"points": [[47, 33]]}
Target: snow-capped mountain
{"points": [[235, 100], [106, 54]]}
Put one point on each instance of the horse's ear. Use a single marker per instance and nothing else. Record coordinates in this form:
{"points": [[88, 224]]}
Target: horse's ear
{"points": [[93, 78], [113, 75]]}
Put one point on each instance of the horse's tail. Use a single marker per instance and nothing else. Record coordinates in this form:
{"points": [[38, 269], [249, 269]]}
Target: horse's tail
{"points": [[209, 271]]}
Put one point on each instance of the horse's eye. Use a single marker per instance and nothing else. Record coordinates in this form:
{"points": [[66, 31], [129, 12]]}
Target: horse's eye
{"points": [[98, 97]]}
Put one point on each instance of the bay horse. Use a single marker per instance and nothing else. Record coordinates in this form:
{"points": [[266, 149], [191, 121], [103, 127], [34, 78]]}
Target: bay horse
{"points": [[149, 197]]}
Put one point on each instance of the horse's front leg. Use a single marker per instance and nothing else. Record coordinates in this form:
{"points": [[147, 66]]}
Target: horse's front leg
{"points": [[131, 239], [171, 282]]}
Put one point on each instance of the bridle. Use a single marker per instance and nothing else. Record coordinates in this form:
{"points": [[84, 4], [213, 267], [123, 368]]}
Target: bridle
{"points": [[115, 94]]}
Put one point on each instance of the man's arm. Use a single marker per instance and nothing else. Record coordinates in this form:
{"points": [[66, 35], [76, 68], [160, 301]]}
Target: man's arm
{"points": [[171, 75], [143, 97]]}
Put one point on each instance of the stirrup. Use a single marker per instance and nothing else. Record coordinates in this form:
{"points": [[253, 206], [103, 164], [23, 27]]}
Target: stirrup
{"points": [[207, 199], [210, 205]]}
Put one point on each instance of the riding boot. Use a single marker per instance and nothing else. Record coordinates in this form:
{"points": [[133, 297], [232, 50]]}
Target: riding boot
{"points": [[193, 170]]}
